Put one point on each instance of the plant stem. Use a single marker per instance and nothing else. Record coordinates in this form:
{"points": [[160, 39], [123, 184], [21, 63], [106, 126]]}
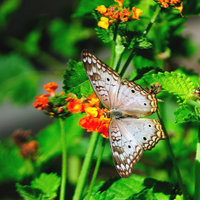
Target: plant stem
{"points": [[86, 166], [197, 169], [144, 34], [64, 160], [158, 8], [103, 142], [185, 195], [112, 57]]}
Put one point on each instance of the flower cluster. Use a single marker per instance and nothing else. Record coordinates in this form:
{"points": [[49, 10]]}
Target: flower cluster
{"points": [[62, 105], [94, 119], [53, 104], [117, 13], [172, 3], [28, 149]]}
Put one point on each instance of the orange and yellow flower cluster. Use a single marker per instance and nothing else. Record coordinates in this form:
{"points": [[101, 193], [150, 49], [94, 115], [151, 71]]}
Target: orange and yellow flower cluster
{"points": [[61, 105], [94, 119], [117, 13], [172, 3]]}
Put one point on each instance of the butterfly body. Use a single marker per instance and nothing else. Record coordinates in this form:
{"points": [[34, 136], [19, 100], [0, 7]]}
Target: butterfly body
{"points": [[129, 136]]}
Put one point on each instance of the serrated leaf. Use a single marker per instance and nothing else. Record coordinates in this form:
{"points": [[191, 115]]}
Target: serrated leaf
{"points": [[29, 193], [103, 35], [185, 114], [76, 80], [135, 187], [48, 184], [175, 83]]}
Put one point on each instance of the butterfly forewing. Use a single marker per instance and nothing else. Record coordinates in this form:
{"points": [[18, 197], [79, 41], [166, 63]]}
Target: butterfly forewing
{"points": [[134, 101], [104, 80], [126, 151]]}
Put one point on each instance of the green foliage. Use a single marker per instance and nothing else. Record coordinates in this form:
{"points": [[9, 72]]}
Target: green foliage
{"points": [[44, 187], [75, 79], [6, 9], [178, 84], [64, 37], [13, 166], [135, 187], [91, 5], [103, 35], [18, 79], [187, 114]]}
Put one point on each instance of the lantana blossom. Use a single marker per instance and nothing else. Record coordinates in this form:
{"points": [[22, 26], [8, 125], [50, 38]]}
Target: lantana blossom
{"points": [[117, 13]]}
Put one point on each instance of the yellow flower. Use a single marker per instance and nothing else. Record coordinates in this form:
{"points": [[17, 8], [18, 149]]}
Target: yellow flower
{"points": [[102, 9], [120, 2], [91, 111], [136, 13], [103, 23], [180, 8]]}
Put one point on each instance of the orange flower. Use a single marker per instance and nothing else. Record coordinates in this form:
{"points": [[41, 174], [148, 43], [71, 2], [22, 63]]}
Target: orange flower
{"points": [[120, 2], [41, 102], [104, 130], [75, 105], [116, 13], [30, 149], [102, 9], [136, 13], [51, 87], [180, 8], [92, 99], [91, 111]]}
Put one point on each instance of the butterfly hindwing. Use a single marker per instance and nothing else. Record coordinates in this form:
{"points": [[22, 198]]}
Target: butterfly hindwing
{"points": [[104, 80], [126, 151], [147, 132]]}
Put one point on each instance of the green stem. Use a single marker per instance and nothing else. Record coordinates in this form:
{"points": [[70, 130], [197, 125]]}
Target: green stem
{"points": [[112, 57], [144, 34], [127, 62], [185, 195], [86, 166], [119, 61], [64, 160], [103, 142], [197, 169], [193, 103], [158, 8]]}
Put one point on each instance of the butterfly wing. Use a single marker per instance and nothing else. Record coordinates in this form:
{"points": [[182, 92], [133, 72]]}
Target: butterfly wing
{"points": [[104, 80], [126, 151], [147, 132], [134, 101]]}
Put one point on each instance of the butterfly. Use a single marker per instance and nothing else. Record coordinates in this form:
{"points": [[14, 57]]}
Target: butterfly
{"points": [[126, 101]]}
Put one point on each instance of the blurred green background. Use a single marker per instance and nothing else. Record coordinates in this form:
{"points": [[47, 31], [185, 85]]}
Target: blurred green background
{"points": [[37, 38]]}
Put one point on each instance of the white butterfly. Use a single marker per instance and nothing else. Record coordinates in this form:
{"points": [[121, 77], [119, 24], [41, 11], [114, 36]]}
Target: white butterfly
{"points": [[126, 101]]}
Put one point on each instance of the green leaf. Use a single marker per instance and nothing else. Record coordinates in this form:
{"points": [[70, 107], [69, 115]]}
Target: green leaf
{"points": [[103, 35], [186, 114], [29, 193], [65, 38], [135, 187], [12, 165], [50, 139], [176, 83], [18, 79], [45, 187], [76, 80], [48, 184]]}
